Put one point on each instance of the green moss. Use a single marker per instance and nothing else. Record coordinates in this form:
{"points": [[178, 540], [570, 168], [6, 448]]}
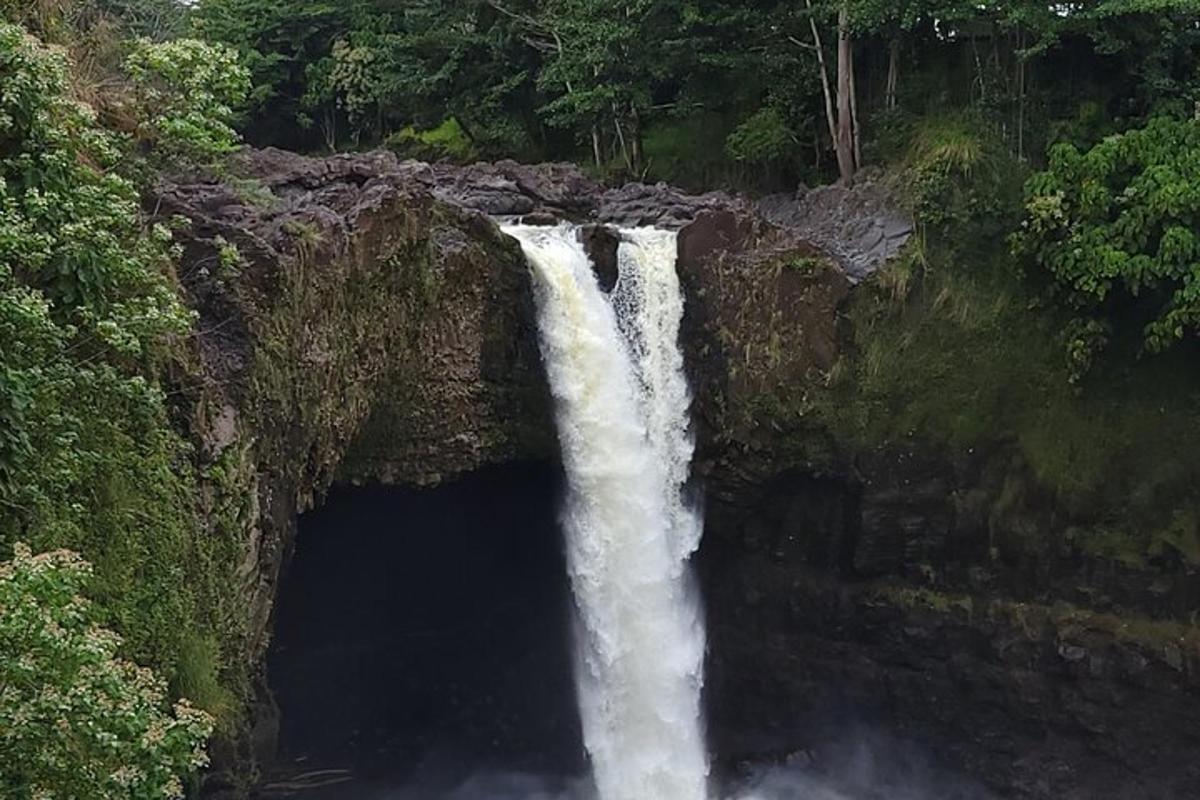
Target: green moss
{"points": [[198, 678], [1181, 535], [252, 191], [448, 140], [807, 266], [913, 597], [1112, 544], [959, 354], [1174, 643]]}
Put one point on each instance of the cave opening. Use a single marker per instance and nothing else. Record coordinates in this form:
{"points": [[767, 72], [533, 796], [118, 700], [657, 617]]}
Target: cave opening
{"points": [[424, 635]]}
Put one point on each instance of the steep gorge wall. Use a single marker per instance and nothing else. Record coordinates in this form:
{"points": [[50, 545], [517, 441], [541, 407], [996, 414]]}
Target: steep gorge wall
{"points": [[348, 323], [939, 592], [362, 320]]}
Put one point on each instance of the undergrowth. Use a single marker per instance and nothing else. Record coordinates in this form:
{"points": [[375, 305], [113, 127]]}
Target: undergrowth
{"points": [[951, 346]]}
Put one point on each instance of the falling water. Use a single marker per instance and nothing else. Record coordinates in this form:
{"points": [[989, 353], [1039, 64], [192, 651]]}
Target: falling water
{"points": [[616, 373]]}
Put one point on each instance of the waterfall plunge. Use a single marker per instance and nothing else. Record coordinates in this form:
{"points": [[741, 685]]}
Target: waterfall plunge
{"points": [[621, 399]]}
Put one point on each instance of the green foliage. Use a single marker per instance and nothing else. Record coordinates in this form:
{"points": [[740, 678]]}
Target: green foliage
{"points": [[1117, 228], [77, 721], [968, 361], [275, 40], [186, 92], [354, 78], [960, 171], [552, 78], [1089, 125], [394, 67], [447, 141], [66, 21], [688, 151], [761, 139], [88, 316]]}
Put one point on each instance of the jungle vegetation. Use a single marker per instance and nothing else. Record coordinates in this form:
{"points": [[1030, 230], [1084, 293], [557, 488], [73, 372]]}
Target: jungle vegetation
{"points": [[1050, 153]]}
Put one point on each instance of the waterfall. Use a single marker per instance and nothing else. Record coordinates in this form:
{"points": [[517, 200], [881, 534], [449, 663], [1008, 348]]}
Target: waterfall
{"points": [[621, 400]]}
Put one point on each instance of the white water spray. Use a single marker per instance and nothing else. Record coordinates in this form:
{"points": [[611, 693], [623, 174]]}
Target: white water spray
{"points": [[621, 399]]}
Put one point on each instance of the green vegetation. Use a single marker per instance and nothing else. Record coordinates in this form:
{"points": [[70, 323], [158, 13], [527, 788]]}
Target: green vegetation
{"points": [[968, 360], [89, 460], [185, 92], [87, 312], [1118, 230], [954, 346], [548, 79], [75, 719], [1055, 331], [1163, 641], [448, 141]]}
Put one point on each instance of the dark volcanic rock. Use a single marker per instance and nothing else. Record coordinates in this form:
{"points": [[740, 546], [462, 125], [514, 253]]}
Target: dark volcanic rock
{"points": [[601, 244], [349, 324], [540, 218], [377, 327], [860, 225], [661, 205], [1046, 702], [507, 188]]}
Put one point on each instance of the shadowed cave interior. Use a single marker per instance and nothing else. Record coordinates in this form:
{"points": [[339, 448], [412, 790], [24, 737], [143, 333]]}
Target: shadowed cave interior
{"points": [[424, 633]]}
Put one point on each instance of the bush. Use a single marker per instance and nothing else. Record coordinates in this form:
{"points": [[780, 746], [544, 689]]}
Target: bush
{"points": [[1117, 229], [186, 93], [961, 172], [76, 721], [88, 316], [761, 139], [447, 141]]}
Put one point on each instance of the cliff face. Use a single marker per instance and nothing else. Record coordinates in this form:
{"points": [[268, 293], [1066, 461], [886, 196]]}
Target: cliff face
{"points": [[863, 569], [348, 322], [362, 320], [910, 590]]}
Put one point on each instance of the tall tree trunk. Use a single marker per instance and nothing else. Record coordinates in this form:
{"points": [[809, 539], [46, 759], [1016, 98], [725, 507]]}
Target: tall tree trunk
{"points": [[329, 129], [844, 143], [855, 129], [1020, 95], [830, 118], [621, 139], [597, 152], [979, 73], [635, 139], [893, 76]]}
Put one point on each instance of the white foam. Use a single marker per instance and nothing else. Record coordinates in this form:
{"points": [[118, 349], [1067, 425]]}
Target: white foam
{"points": [[621, 401]]}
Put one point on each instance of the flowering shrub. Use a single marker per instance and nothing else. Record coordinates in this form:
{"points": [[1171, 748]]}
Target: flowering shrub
{"points": [[76, 721], [186, 94], [88, 315]]}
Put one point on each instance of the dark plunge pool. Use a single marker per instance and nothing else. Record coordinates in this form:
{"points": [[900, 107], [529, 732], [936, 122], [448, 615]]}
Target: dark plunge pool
{"points": [[422, 636]]}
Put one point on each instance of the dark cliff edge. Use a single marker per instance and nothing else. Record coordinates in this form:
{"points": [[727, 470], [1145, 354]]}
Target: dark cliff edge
{"points": [[362, 319], [892, 581]]}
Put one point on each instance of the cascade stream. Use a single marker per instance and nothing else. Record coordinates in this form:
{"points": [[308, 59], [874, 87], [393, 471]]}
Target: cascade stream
{"points": [[621, 398]]}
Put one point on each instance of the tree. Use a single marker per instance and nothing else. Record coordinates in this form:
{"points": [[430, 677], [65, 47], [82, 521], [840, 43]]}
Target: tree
{"points": [[76, 720], [278, 42], [1116, 230], [841, 102], [476, 62]]}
